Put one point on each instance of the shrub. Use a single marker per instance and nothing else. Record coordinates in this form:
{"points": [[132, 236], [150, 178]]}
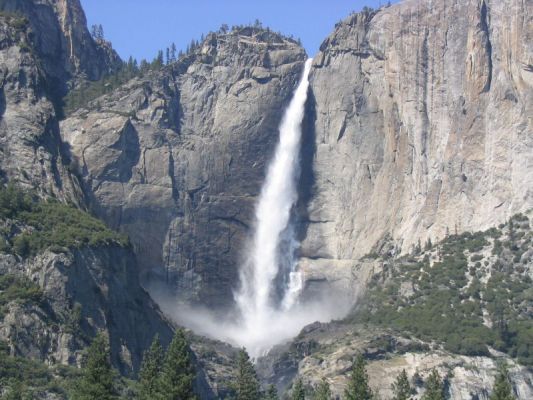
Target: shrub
{"points": [[54, 225]]}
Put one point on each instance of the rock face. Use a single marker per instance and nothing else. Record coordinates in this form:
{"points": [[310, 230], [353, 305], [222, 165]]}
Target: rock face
{"points": [[421, 124], [176, 158], [64, 45], [84, 292], [30, 146], [326, 351]]}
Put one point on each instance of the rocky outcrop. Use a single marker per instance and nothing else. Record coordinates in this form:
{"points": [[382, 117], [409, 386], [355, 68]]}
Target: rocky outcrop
{"points": [[326, 351], [65, 47], [177, 157], [30, 147], [420, 125], [84, 292]]}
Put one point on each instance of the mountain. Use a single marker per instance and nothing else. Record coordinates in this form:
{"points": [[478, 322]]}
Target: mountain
{"points": [[414, 199], [65, 276], [421, 126], [176, 158]]}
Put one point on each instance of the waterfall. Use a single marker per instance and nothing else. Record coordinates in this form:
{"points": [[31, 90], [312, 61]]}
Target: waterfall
{"points": [[262, 303], [269, 310]]}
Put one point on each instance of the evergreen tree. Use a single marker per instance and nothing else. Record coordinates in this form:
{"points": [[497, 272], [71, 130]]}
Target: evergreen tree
{"points": [[97, 32], [298, 392], [96, 382], [358, 388], [322, 391], [401, 387], [159, 60], [150, 370], [192, 46], [434, 387], [271, 393], [502, 389], [144, 66], [173, 52], [176, 379], [16, 391], [246, 382], [168, 56]]}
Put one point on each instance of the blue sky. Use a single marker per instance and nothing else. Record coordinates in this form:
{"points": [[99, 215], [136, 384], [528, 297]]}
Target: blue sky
{"points": [[140, 28]]}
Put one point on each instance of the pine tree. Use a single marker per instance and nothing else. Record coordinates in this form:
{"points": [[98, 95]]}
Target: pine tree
{"points": [[159, 60], [168, 56], [358, 388], [144, 66], [434, 387], [97, 379], [322, 391], [193, 46], [173, 52], [176, 380], [97, 32], [271, 393], [298, 392], [502, 389], [246, 382], [401, 387], [16, 391], [150, 370]]}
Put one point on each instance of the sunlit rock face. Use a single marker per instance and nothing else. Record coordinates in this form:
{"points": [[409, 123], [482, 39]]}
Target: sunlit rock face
{"points": [[177, 158], [422, 125], [66, 50]]}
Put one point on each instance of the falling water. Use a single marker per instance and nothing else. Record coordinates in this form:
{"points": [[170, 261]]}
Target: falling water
{"points": [[274, 243], [270, 283]]}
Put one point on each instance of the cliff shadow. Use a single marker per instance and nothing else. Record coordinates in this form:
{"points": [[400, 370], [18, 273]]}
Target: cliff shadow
{"points": [[306, 184]]}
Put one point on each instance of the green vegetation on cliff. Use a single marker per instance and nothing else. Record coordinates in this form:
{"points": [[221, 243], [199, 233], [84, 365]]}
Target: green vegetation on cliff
{"points": [[358, 388], [31, 225], [469, 292], [97, 379], [246, 384], [28, 379], [20, 289]]}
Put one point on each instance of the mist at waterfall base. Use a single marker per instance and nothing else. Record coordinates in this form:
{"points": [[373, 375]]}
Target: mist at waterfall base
{"points": [[268, 305]]}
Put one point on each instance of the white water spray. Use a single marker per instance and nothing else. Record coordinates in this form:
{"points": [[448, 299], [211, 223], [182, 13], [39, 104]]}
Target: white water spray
{"points": [[256, 298], [267, 301]]}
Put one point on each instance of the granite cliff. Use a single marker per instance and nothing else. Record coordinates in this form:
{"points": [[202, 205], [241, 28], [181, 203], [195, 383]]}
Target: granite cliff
{"points": [[418, 125], [421, 126], [176, 158]]}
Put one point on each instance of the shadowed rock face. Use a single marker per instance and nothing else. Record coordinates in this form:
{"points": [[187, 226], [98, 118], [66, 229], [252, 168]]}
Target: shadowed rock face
{"points": [[423, 125], [87, 291], [177, 158]]}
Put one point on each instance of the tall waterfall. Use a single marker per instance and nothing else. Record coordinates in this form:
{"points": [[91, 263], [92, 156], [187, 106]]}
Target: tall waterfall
{"points": [[270, 283]]}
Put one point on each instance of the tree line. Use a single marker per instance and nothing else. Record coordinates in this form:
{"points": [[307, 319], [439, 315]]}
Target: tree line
{"points": [[170, 375], [91, 90]]}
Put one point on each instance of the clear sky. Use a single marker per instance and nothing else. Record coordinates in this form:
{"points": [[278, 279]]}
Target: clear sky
{"points": [[141, 27]]}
